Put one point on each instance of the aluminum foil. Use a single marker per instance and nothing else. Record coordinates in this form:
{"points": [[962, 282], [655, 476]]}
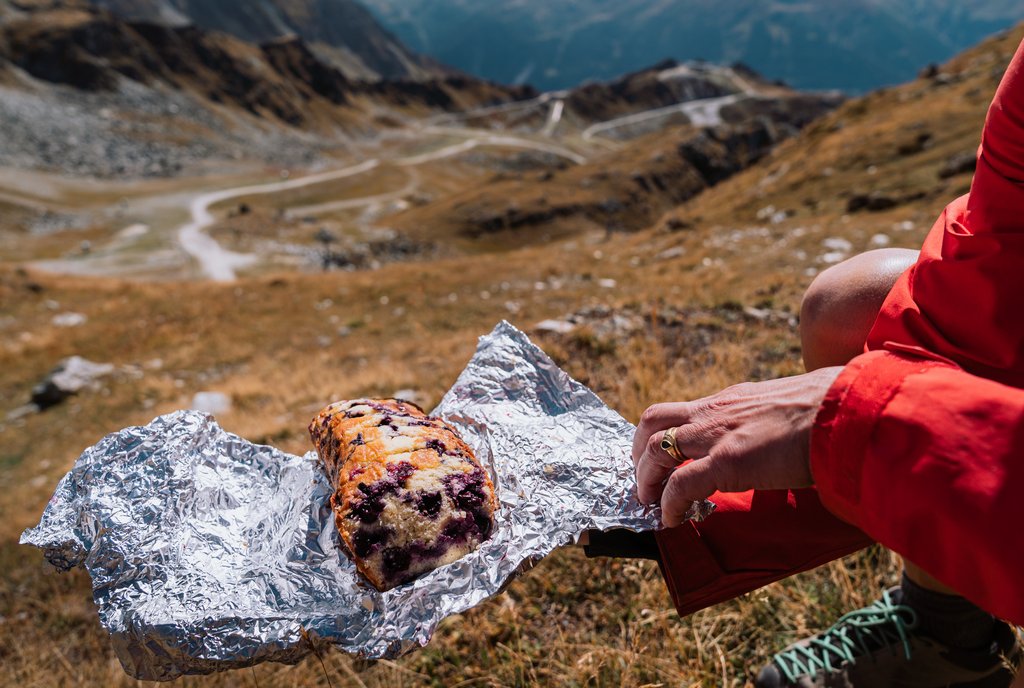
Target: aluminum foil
{"points": [[208, 552]]}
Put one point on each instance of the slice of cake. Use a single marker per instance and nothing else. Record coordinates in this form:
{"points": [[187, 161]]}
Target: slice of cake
{"points": [[409, 495]]}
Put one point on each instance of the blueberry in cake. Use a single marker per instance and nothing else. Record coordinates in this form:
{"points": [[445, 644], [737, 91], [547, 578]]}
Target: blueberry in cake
{"points": [[409, 495]]}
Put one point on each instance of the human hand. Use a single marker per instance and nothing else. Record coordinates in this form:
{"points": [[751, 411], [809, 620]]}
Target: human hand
{"points": [[756, 435]]}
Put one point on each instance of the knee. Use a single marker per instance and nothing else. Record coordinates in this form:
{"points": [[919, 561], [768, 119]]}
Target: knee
{"points": [[817, 303], [841, 305], [820, 320]]}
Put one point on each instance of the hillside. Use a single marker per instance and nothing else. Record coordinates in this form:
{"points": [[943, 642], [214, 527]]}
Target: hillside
{"points": [[157, 100], [623, 190], [342, 174], [853, 45], [342, 32], [703, 298], [128, 139], [644, 167]]}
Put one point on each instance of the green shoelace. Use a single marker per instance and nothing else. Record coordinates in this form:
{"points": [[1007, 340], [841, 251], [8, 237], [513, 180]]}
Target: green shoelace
{"points": [[855, 634]]}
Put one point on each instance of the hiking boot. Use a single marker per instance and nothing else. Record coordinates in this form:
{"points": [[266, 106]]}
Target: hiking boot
{"points": [[877, 647]]}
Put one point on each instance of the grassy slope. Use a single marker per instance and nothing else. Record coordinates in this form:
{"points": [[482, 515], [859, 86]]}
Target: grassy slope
{"points": [[273, 344]]}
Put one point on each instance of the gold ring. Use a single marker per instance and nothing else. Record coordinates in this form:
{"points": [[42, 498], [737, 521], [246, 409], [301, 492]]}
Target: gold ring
{"points": [[668, 444]]}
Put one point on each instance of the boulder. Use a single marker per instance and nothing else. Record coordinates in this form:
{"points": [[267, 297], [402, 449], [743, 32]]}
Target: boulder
{"points": [[70, 377], [880, 240], [555, 326], [837, 244]]}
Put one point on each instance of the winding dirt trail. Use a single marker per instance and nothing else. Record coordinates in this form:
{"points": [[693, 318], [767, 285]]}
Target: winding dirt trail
{"points": [[219, 264], [704, 112], [410, 187], [557, 108]]}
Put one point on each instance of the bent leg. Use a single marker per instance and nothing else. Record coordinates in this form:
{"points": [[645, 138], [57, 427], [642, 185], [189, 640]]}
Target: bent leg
{"points": [[836, 315], [842, 303]]}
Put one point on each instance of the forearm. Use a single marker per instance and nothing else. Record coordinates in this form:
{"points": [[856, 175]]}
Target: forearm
{"points": [[929, 461]]}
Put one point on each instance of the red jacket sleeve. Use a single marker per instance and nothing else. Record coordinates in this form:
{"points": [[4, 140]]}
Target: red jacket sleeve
{"points": [[997, 193], [929, 460]]}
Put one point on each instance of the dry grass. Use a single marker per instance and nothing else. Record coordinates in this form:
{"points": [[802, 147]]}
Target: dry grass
{"points": [[570, 621]]}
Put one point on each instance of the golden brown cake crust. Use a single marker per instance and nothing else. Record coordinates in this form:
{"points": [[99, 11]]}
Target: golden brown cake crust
{"points": [[409, 493]]}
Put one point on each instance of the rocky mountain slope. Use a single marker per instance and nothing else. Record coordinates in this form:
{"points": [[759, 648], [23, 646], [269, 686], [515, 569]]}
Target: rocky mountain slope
{"points": [[340, 31], [892, 152], [624, 190], [86, 92], [92, 95], [642, 167], [282, 78], [153, 99], [852, 45]]}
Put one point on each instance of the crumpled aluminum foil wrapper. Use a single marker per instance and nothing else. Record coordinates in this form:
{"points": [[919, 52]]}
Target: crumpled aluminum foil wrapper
{"points": [[208, 552]]}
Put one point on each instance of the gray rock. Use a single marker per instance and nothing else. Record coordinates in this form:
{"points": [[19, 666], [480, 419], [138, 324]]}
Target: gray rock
{"points": [[758, 313], [555, 326], [211, 402], [880, 240], [21, 412], [69, 320], [70, 377], [837, 244], [412, 395]]}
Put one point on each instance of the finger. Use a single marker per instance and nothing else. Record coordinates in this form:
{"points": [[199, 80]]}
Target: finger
{"points": [[700, 437], [689, 483], [653, 468], [656, 419]]}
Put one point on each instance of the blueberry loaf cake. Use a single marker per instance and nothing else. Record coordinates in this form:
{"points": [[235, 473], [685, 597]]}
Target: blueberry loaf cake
{"points": [[409, 494]]}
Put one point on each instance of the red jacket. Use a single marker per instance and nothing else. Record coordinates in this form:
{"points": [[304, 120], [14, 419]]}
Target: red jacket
{"points": [[920, 442]]}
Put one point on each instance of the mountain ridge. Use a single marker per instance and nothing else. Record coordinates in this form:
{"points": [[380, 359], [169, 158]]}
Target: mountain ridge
{"points": [[854, 45], [148, 89], [341, 32]]}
